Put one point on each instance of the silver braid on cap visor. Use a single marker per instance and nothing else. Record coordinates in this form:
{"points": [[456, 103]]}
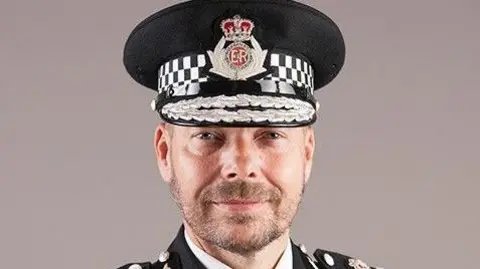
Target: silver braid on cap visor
{"points": [[217, 109]]}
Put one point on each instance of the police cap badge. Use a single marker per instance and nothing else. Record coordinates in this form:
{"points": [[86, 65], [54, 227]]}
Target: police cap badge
{"points": [[236, 62]]}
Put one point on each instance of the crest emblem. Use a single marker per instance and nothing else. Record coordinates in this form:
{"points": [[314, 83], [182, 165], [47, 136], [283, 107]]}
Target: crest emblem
{"points": [[238, 61]]}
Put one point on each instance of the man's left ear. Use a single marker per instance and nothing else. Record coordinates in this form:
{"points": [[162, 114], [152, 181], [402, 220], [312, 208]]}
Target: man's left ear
{"points": [[309, 151]]}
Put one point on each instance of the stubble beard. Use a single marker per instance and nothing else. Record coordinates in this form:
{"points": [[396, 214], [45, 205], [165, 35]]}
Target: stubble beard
{"points": [[242, 233]]}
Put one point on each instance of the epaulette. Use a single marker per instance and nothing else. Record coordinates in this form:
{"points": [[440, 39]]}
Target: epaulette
{"points": [[332, 260], [145, 265], [164, 261]]}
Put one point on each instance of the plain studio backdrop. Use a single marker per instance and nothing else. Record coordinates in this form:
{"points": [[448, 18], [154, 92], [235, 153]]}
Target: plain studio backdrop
{"points": [[396, 173]]}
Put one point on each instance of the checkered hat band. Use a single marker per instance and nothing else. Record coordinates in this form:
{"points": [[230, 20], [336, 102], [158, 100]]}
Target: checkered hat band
{"points": [[190, 69], [291, 70]]}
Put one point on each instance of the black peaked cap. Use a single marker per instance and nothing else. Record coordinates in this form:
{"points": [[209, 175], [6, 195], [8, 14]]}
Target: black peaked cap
{"points": [[192, 27]]}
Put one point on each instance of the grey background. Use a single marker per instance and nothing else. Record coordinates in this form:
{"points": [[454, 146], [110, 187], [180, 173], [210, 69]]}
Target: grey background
{"points": [[396, 176]]}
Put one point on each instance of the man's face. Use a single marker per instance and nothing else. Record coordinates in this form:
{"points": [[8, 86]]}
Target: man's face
{"points": [[237, 188]]}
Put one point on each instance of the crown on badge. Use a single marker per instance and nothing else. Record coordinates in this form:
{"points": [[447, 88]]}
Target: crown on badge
{"points": [[237, 29]]}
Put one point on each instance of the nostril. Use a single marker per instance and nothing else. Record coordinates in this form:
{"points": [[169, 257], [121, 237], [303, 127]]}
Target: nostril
{"points": [[232, 175]]}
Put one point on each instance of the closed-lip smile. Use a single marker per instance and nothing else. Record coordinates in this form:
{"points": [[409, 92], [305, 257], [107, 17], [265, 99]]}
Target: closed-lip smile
{"points": [[239, 205], [238, 201]]}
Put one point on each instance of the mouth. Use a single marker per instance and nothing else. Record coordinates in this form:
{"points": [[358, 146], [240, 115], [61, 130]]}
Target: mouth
{"points": [[240, 205]]}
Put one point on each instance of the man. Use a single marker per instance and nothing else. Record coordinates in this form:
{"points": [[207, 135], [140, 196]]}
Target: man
{"points": [[235, 82]]}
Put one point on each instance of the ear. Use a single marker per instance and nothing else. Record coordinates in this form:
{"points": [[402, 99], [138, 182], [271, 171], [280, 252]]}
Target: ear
{"points": [[162, 144], [309, 151]]}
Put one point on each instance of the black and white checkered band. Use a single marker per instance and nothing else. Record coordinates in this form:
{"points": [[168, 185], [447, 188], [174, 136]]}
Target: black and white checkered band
{"points": [[189, 69]]}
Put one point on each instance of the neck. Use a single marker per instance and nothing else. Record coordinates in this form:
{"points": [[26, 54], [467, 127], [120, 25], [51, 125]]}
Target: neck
{"points": [[266, 258]]}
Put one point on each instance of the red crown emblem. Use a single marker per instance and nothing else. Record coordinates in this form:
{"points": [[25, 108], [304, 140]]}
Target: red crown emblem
{"points": [[237, 29]]}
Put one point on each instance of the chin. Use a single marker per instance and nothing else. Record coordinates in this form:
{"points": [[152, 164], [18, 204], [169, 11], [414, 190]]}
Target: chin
{"points": [[246, 237], [242, 229]]}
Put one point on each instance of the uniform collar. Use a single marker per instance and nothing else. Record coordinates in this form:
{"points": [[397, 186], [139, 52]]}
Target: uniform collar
{"points": [[285, 262]]}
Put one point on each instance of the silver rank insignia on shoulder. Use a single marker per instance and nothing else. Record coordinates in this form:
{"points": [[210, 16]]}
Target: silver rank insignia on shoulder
{"points": [[357, 264], [238, 61], [163, 257]]}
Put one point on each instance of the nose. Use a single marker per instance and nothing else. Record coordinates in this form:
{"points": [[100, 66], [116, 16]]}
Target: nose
{"points": [[240, 160]]}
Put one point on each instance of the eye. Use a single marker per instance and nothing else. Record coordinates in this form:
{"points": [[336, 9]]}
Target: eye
{"points": [[272, 135], [207, 136]]}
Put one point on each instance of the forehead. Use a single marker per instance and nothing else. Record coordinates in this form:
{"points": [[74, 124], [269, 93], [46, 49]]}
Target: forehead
{"points": [[232, 130]]}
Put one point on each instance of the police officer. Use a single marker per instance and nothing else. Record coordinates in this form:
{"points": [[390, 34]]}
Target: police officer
{"points": [[235, 82]]}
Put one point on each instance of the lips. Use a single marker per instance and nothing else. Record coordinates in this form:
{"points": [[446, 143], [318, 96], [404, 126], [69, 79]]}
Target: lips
{"points": [[239, 202], [239, 205]]}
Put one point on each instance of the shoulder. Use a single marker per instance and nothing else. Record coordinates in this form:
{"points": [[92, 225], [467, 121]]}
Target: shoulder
{"points": [[145, 265], [165, 261], [334, 260]]}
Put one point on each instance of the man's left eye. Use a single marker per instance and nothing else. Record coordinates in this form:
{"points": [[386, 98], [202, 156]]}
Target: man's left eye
{"points": [[272, 135]]}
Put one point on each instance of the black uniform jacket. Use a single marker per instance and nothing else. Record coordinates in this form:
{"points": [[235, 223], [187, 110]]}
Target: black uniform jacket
{"points": [[179, 256]]}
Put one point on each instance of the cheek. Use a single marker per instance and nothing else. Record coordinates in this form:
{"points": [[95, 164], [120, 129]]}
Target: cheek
{"points": [[285, 170], [192, 173]]}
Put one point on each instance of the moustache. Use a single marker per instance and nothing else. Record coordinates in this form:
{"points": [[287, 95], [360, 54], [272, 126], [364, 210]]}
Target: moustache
{"points": [[240, 190]]}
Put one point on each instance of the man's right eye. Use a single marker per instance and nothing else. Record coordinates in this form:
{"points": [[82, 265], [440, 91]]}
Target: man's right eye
{"points": [[207, 136]]}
